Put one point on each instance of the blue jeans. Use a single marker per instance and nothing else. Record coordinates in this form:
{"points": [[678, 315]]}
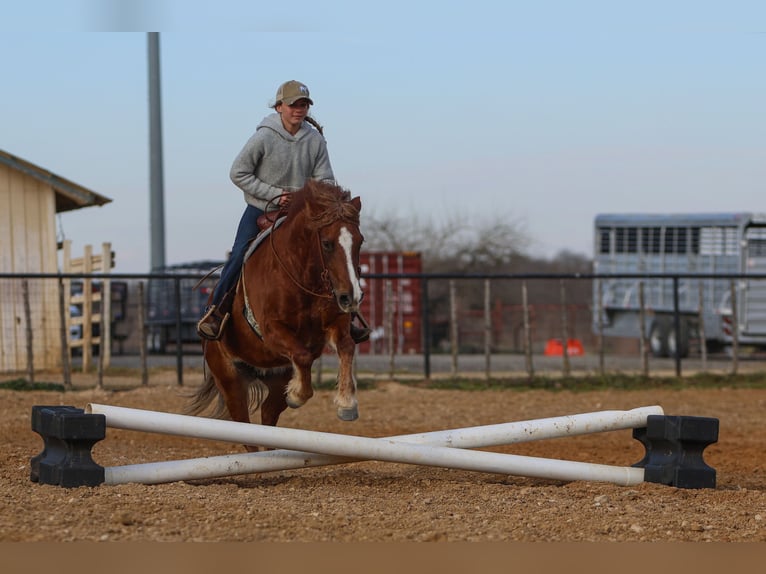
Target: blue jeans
{"points": [[247, 230]]}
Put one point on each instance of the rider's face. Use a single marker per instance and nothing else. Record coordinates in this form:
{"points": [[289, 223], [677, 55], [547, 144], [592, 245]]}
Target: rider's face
{"points": [[293, 114]]}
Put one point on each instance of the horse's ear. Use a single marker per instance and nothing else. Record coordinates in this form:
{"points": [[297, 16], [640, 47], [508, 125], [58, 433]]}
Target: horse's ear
{"points": [[357, 202]]}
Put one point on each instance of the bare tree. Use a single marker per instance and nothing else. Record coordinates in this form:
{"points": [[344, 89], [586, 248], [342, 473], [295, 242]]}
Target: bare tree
{"points": [[454, 245], [468, 244]]}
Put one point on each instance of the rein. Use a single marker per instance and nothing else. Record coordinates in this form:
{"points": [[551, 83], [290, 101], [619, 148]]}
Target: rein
{"points": [[297, 283], [272, 224]]}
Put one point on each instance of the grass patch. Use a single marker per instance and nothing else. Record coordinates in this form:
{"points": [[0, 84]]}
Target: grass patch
{"points": [[594, 383], [24, 385]]}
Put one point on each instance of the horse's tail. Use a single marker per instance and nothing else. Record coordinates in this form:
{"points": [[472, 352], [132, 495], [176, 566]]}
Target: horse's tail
{"points": [[201, 399]]}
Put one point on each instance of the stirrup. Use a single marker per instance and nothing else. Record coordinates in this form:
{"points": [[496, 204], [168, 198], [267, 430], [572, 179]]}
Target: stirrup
{"points": [[211, 325], [360, 334]]}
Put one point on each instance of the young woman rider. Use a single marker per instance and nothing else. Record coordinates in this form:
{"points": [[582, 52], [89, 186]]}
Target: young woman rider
{"points": [[286, 149]]}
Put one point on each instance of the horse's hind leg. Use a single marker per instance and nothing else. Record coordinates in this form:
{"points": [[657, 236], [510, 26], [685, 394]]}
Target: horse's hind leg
{"points": [[232, 385], [276, 403]]}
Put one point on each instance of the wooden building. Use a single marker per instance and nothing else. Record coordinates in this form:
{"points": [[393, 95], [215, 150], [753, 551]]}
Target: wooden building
{"points": [[30, 198]]}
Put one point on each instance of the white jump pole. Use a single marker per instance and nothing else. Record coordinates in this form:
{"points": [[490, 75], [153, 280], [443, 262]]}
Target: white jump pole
{"points": [[428, 448]]}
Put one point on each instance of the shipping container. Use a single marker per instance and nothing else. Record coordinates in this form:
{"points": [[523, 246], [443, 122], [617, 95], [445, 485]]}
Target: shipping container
{"points": [[392, 306]]}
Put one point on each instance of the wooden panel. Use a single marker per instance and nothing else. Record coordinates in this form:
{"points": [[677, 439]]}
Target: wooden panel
{"points": [[6, 245], [16, 353], [33, 194], [7, 332], [28, 245], [51, 318], [18, 221], [45, 304]]}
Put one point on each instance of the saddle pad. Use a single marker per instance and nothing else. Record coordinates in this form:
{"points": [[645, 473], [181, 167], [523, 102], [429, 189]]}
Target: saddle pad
{"points": [[260, 237]]}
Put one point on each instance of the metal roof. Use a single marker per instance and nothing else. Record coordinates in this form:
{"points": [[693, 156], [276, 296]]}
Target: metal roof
{"points": [[69, 195], [710, 219]]}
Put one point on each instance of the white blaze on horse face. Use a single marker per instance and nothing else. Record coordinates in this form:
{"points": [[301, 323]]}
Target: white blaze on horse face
{"points": [[346, 241]]}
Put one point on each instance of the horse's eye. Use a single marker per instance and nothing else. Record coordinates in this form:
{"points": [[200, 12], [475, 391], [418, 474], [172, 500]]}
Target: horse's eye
{"points": [[327, 245]]}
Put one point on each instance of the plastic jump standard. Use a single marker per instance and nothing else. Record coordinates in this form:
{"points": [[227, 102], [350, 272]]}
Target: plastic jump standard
{"points": [[673, 446]]}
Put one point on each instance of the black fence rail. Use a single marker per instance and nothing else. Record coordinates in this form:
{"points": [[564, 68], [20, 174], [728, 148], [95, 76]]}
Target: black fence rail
{"points": [[425, 325]]}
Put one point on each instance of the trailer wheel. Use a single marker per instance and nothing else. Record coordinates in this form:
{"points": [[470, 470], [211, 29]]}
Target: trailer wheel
{"points": [[658, 338], [682, 340]]}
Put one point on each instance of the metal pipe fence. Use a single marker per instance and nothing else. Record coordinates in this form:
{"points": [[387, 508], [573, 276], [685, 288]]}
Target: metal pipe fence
{"points": [[466, 325]]}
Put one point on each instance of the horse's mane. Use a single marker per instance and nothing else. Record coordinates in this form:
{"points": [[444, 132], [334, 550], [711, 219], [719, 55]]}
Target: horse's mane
{"points": [[328, 203]]}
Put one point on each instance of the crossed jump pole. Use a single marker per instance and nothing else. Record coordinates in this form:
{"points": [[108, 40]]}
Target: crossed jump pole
{"points": [[673, 446]]}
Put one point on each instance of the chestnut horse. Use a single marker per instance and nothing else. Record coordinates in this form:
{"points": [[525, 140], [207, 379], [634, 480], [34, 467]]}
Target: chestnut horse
{"points": [[295, 297]]}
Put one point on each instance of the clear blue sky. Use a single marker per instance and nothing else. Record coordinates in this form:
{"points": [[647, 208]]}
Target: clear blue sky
{"points": [[543, 112]]}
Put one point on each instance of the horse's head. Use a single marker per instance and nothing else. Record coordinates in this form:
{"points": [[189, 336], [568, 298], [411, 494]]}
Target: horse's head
{"points": [[334, 216]]}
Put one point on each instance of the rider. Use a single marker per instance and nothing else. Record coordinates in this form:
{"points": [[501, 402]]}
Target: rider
{"points": [[284, 152]]}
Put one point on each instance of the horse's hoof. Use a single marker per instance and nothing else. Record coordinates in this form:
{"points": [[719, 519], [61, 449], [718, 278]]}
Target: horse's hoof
{"points": [[349, 414], [292, 402]]}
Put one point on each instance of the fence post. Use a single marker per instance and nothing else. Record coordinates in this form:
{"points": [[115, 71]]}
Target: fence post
{"points": [[105, 333], [643, 345], [734, 328], [487, 331], [425, 329], [677, 326], [28, 333], [64, 336], [142, 329], [701, 326], [179, 338], [600, 311], [87, 310], [453, 326], [564, 329], [100, 362], [390, 328], [527, 332]]}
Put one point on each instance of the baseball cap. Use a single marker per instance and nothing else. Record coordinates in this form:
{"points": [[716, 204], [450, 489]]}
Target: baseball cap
{"points": [[292, 91]]}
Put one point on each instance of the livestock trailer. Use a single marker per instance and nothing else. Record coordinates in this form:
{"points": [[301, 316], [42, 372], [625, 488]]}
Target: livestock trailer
{"points": [[720, 247]]}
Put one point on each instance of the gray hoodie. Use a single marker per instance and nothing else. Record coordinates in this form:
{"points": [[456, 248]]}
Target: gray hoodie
{"points": [[274, 160]]}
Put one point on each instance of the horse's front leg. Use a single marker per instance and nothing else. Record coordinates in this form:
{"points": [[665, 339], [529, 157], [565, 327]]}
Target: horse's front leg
{"points": [[345, 397], [281, 340], [299, 389]]}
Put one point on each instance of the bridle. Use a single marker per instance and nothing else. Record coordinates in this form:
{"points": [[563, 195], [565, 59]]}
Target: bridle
{"points": [[325, 274]]}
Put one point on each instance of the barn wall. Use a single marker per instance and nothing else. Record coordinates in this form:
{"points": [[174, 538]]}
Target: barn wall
{"points": [[28, 245]]}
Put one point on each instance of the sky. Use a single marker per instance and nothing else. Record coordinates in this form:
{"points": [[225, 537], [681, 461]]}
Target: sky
{"points": [[544, 113]]}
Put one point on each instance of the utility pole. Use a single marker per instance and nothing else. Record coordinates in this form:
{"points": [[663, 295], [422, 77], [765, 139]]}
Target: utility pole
{"points": [[156, 189]]}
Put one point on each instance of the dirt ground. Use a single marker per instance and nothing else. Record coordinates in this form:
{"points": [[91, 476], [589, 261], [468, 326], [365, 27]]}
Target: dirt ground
{"points": [[377, 501]]}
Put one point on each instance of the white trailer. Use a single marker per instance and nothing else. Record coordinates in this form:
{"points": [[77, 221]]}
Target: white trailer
{"points": [[715, 246]]}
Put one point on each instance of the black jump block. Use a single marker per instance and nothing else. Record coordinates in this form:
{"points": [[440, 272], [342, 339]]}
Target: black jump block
{"points": [[68, 435], [674, 446]]}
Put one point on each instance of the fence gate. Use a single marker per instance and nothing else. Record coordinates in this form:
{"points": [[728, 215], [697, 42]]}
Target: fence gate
{"points": [[89, 309]]}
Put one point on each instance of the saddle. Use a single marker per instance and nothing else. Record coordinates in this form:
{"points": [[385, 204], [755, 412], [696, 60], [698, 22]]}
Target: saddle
{"points": [[269, 217]]}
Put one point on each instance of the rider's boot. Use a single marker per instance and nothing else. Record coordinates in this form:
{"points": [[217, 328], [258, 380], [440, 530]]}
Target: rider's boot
{"points": [[214, 320], [359, 334]]}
